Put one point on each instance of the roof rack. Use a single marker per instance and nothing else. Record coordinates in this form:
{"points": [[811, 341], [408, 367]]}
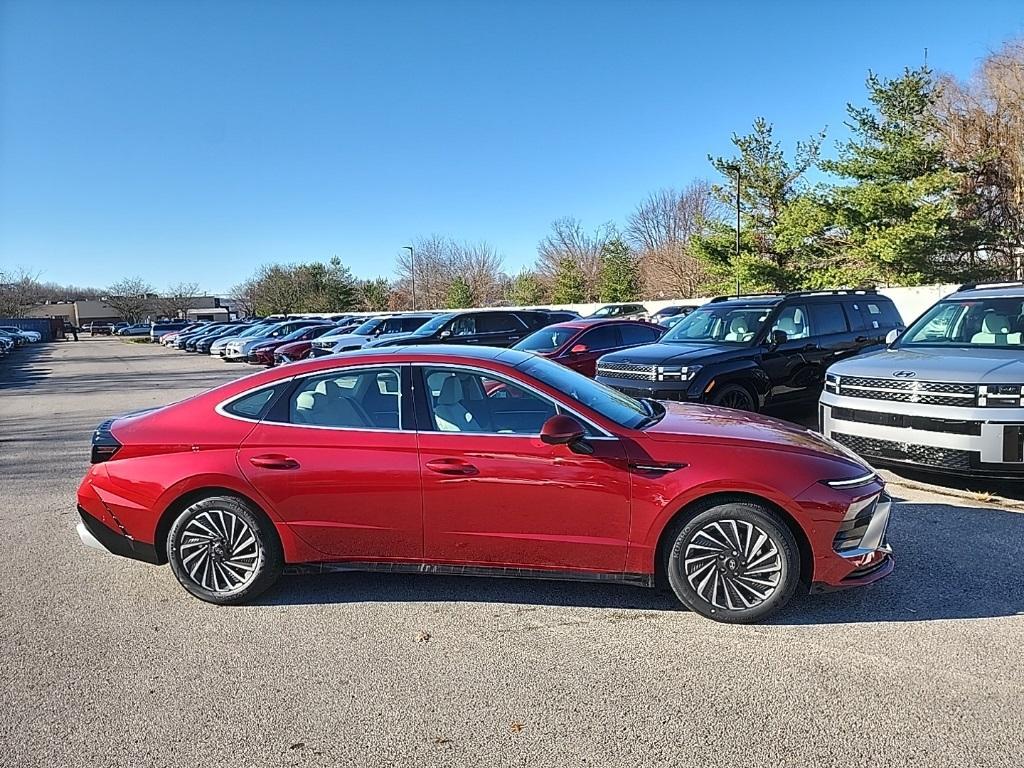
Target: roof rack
{"points": [[833, 292], [972, 286], [768, 295]]}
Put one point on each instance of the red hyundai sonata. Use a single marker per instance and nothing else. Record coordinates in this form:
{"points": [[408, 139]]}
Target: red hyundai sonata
{"points": [[480, 461]]}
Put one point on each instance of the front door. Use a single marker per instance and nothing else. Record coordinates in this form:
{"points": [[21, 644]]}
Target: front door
{"points": [[495, 495], [336, 465], [795, 366]]}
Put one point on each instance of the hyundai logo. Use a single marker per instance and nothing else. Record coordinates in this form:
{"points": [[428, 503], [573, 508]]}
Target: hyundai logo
{"points": [[904, 374]]}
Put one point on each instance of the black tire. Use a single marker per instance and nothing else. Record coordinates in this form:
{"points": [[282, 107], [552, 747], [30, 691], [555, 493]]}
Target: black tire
{"points": [[205, 560], [735, 396], [691, 548]]}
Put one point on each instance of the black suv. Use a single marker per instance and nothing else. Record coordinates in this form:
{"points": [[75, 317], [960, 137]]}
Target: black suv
{"points": [[749, 352], [484, 328]]}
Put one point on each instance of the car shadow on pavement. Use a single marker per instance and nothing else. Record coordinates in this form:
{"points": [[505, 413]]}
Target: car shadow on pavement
{"points": [[952, 562], [19, 369]]}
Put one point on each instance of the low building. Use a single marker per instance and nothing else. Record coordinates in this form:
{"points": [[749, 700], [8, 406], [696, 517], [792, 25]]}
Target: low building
{"points": [[86, 311]]}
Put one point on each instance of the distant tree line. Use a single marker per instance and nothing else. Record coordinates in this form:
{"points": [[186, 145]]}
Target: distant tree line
{"points": [[928, 187]]}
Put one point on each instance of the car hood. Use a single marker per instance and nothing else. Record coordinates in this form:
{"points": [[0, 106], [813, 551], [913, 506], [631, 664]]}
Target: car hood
{"points": [[957, 365], [669, 352], [691, 421], [223, 341], [347, 338]]}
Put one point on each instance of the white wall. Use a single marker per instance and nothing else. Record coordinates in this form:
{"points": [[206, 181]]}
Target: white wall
{"points": [[910, 302]]}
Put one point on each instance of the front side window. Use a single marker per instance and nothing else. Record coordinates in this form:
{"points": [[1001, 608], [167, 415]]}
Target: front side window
{"points": [[719, 324], [465, 401], [792, 321], [364, 398], [610, 403], [603, 337], [464, 325], [995, 322]]}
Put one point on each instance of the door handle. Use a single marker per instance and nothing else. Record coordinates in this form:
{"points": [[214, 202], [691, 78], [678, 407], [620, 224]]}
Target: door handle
{"points": [[274, 461], [451, 467], [861, 339], [811, 347]]}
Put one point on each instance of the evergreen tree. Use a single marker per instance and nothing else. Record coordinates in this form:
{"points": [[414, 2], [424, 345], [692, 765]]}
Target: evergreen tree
{"points": [[781, 220], [620, 272], [375, 294], [459, 294], [570, 283], [525, 289], [899, 208]]}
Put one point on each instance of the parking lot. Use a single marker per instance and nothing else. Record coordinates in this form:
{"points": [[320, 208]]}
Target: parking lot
{"points": [[107, 662]]}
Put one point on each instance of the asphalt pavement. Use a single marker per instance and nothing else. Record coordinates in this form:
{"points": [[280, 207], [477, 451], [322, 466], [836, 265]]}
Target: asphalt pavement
{"points": [[108, 662]]}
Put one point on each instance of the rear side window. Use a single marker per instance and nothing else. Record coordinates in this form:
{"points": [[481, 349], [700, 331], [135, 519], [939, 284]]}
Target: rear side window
{"points": [[827, 319], [854, 316], [638, 334], [254, 405], [604, 337], [366, 398], [497, 322]]}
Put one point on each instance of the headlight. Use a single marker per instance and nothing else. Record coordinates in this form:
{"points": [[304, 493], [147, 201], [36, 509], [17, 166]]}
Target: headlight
{"points": [[1000, 395], [675, 372], [831, 383]]}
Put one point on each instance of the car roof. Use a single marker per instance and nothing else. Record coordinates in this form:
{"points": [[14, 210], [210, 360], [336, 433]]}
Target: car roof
{"points": [[593, 322], [1007, 291]]}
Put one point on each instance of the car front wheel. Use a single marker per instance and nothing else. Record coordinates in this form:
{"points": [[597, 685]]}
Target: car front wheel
{"points": [[734, 562], [224, 552], [735, 396]]}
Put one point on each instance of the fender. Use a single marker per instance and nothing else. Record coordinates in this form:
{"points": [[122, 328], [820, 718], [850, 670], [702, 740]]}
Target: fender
{"points": [[743, 371]]}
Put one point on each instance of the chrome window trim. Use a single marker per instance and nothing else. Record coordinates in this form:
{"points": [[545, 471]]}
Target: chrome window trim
{"points": [[603, 434], [221, 407]]}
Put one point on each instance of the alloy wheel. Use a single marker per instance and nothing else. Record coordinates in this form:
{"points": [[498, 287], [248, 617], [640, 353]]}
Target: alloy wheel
{"points": [[738, 399], [219, 551], [733, 564]]}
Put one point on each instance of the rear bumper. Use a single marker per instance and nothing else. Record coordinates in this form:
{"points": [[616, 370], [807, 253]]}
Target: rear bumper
{"points": [[95, 534]]}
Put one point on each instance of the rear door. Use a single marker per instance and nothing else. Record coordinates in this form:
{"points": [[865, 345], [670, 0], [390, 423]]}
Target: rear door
{"points": [[496, 329], [337, 460]]}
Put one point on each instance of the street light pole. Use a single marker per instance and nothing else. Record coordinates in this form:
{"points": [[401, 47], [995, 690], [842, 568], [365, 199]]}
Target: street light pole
{"points": [[412, 258], [738, 172]]}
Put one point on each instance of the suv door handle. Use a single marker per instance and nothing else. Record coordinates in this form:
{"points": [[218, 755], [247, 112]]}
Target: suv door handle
{"points": [[451, 467], [274, 461], [861, 339], [810, 347]]}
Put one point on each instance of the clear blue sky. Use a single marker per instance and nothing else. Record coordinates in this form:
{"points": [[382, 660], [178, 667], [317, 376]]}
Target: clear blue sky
{"points": [[184, 139]]}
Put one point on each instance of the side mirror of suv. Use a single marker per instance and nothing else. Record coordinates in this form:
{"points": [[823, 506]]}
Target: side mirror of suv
{"points": [[778, 338], [891, 336]]}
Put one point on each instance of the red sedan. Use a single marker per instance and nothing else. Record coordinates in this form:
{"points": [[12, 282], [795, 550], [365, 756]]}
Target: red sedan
{"points": [[480, 461], [578, 344], [266, 352]]}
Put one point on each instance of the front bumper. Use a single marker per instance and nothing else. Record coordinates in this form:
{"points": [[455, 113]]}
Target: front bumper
{"points": [[96, 535], [974, 441], [656, 390]]}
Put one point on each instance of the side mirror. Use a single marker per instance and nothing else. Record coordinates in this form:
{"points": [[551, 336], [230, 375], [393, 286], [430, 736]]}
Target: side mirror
{"points": [[445, 334], [779, 337], [565, 430], [579, 349], [892, 335]]}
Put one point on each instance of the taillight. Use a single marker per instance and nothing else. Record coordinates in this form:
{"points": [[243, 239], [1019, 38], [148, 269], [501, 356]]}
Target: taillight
{"points": [[104, 444]]}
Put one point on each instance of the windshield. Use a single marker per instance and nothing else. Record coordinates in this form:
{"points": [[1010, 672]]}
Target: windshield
{"points": [[610, 403], [367, 328], [432, 325], [546, 339], [253, 330], [721, 325], [990, 322]]}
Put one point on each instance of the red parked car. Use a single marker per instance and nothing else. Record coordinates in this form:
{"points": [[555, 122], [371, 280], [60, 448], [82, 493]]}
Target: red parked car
{"points": [[411, 459], [265, 352], [578, 344]]}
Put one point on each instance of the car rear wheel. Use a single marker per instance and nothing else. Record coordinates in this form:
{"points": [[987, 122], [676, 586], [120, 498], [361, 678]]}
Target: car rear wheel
{"points": [[734, 562], [735, 396], [224, 552]]}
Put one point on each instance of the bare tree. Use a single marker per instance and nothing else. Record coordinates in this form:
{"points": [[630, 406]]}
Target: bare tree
{"points": [[661, 228], [131, 298], [568, 240], [178, 299], [982, 121], [438, 262], [244, 297]]}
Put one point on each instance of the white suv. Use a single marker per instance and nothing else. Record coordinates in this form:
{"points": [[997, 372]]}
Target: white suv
{"points": [[946, 395]]}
